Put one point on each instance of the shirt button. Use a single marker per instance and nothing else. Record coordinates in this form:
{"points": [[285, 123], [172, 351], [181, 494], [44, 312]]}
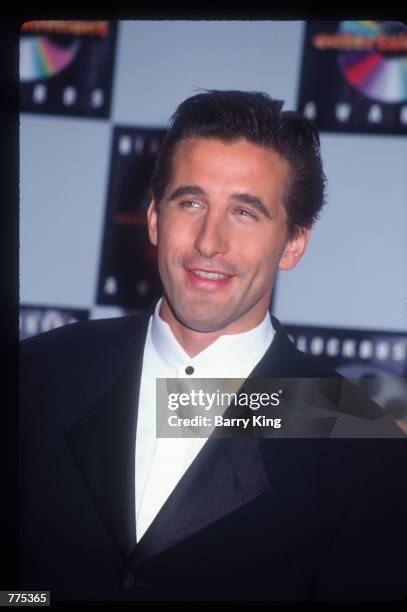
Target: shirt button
{"points": [[189, 370]]}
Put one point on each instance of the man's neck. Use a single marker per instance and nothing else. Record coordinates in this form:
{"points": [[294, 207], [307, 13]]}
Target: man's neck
{"points": [[192, 341]]}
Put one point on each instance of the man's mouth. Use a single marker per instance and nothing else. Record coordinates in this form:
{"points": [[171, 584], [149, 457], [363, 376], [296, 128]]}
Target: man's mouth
{"points": [[208, 279], [211, 275]]}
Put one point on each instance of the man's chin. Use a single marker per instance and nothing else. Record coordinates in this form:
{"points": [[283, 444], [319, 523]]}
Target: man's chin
{"points": [[204, 324], [199, 316], [204, 327]]}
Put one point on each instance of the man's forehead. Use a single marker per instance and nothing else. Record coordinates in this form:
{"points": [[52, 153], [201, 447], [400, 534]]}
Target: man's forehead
{"points": [[192, 148], [209, 141], [195, 154]]}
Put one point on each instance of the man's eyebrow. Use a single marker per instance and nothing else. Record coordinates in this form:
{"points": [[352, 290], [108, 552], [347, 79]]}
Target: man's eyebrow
{"points": [[186, 190], [248, 198]]}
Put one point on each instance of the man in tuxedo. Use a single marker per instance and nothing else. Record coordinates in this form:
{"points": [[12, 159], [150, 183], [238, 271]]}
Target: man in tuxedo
{"points": [[110, 512]]}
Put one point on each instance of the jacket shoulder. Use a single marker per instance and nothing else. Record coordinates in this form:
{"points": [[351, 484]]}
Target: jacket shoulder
{"points": [[291, 362], [74, 345], [313, 367]]}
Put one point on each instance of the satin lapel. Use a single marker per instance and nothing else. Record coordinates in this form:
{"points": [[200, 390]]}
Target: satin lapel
{"points": [[103, 441], [225, 475]]}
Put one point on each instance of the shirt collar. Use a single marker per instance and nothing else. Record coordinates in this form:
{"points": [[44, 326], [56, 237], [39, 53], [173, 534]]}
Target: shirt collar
{"points": [[231, 355]]}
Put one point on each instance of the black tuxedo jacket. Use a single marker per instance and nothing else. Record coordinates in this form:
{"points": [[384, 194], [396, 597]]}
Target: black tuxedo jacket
{"points": [[251, 519]]}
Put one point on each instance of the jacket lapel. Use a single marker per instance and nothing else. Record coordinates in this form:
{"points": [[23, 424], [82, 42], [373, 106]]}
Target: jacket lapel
{"points": [[103, 441], [225, 475]]}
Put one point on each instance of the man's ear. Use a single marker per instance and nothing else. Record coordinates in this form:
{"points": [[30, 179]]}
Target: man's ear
{"points": [[152, 219], [294, 249]]}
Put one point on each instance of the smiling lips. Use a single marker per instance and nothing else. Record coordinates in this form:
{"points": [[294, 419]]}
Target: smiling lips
{"points": [[205, 279]]}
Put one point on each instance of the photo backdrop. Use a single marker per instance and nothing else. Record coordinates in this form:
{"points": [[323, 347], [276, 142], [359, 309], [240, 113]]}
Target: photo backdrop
{"points": [[96, 97]]}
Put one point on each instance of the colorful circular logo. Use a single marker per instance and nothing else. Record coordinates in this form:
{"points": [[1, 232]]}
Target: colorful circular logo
{"points": [[376, 62], [41, 57]]}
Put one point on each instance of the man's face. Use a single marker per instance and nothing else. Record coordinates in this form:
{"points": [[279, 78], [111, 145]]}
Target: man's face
{"points": [[221, 233]]}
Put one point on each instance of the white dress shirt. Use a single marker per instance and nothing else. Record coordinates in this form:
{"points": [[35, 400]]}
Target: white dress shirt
{"points": [[161, 462]]}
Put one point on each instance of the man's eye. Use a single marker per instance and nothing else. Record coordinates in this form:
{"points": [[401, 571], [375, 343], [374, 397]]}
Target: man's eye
{"points": [[245, 213], [190, 204]]}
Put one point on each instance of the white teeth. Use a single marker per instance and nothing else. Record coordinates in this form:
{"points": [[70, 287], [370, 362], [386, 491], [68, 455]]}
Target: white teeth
{"points": [[210, 275]]}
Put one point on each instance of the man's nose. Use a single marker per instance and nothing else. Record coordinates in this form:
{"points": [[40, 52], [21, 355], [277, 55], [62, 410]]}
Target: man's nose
{"points": [[211, 238]]}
